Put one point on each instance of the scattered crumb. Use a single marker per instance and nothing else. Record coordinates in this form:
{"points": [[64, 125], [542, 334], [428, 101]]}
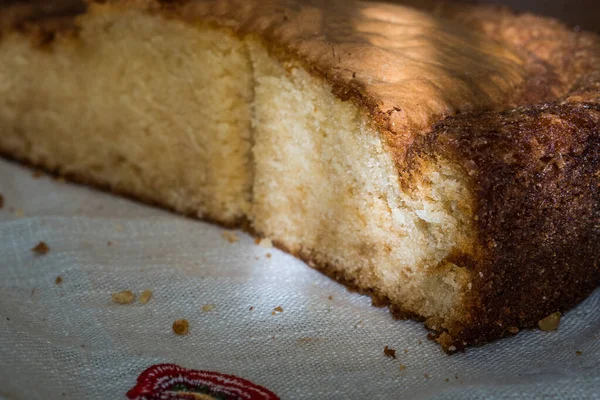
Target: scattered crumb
{"points": [[208, 307], [251, 308], [109, 243], [452, 349], [32, 292], [58, 280], [181, 327], [420, 341], [402, 367], [405, 351], [1, 201], [579, 352], [256, 240], [276, 310], [330, 297], [124, 297], [447, 380], [145, 296], [389, 352], [231, 237], [513, 330], [266, 243], [19, 213], [426, 375], [37, 174], [268, 255], [550, 323], [41, 248]]}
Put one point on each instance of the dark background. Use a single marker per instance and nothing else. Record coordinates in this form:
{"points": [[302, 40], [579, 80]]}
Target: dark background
{"points": [[584, 13]]}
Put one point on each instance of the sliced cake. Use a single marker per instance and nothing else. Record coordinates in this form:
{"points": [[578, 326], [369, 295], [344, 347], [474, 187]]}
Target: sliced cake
{"points": [[445, 161]]}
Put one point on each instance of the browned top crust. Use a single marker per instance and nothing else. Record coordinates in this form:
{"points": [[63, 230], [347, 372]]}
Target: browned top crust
{"points": [[535, 174], [409, 68], [43, 20], [536, 177], [16, 14]]}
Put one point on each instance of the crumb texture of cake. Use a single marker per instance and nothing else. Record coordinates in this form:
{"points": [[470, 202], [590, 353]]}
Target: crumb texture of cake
{"points": [[134, 104], [394, 150], [326, 189]]}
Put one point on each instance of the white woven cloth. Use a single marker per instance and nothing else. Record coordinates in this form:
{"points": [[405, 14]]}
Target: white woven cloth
{"points": [[70, 341]]}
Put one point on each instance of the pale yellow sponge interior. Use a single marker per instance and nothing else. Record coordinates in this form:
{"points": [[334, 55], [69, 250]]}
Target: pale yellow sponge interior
{"points": [[148, 107]]}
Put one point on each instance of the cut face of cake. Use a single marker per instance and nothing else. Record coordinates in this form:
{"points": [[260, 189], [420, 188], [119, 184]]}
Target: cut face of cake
{"points": [[447, 163]]}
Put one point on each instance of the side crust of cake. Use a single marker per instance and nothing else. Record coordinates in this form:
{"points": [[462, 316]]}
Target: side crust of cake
{"points": [[478, 212]]}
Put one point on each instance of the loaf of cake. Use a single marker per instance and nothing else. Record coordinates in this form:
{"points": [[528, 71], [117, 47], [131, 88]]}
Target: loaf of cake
{"points": [[443, 160]]}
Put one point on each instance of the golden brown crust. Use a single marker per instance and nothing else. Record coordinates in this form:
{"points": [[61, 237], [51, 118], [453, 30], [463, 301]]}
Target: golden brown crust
{"points": [[536, 175], [41, 20], [570, 54], [535, 168], [404, 67], [343, 42]]}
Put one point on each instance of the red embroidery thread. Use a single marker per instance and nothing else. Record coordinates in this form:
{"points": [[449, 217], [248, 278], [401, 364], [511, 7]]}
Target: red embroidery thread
{"points": [[172, 382]]}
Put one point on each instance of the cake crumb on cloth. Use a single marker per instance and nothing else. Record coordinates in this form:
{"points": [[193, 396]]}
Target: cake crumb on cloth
{"points": [[181, 327], [41, 249], [550, 323], [231, 237], [388, 352], [145, 296], [124, 297]]}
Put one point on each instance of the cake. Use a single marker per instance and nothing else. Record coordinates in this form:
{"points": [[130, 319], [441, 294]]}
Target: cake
{"points": [[443, 160]]}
